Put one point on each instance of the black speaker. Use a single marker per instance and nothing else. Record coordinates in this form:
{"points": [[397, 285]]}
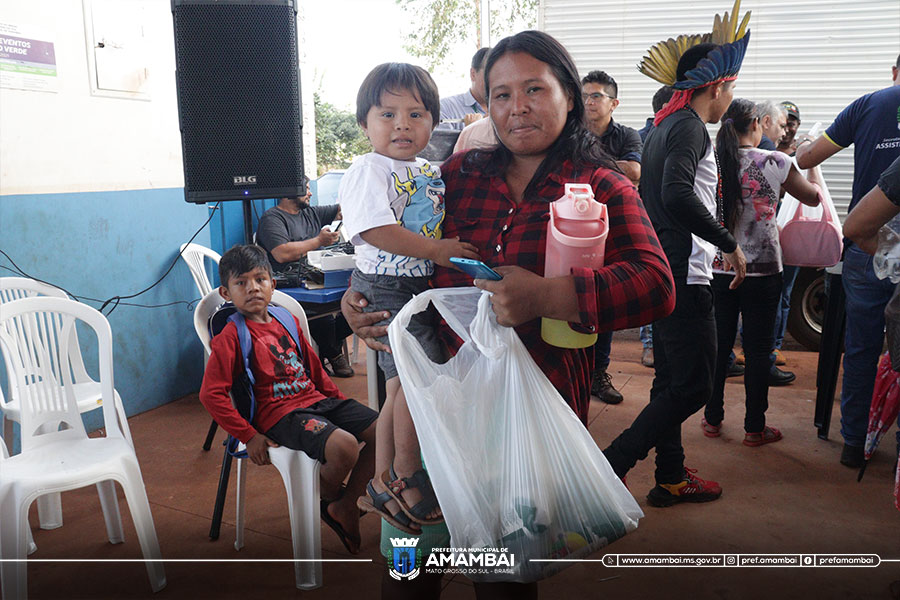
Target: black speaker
{"points": [[239, 109]]}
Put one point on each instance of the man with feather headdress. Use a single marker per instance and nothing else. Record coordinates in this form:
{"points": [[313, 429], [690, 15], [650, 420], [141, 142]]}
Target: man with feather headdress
{"points": [[678, 187]]}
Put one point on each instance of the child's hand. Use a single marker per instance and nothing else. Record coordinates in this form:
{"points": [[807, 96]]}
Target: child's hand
{"points": [[449, 247], [258, 449]]}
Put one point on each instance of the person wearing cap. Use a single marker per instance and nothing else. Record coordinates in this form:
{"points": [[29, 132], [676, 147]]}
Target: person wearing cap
{"points": [[871, 124], [788, 143], [678, 187]]}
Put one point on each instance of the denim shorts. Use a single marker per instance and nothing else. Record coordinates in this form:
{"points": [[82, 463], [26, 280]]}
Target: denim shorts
{"points": [[391, 293]]}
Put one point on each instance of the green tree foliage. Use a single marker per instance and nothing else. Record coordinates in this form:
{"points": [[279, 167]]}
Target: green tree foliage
{"points": [[437, 26], [338, 137]]}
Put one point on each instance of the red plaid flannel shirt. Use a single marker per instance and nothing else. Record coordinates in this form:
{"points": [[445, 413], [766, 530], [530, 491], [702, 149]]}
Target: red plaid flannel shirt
{"points": [[633, 288]]}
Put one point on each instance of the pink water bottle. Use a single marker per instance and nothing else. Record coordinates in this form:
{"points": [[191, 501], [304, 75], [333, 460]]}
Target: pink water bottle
{"points": [[576, 237]]}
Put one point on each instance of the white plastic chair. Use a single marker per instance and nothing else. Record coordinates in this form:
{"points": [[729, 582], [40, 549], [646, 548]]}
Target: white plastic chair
{"points": [[299, 472], [194, 255], [57, 454], [87, 391]]}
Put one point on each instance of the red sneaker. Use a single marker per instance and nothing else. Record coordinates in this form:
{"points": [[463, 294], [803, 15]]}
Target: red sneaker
{"points": [[766, 436], [710, 430], [689, 489]]}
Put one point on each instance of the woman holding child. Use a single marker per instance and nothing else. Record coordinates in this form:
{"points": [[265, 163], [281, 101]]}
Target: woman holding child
{"points": [[497, 199]]}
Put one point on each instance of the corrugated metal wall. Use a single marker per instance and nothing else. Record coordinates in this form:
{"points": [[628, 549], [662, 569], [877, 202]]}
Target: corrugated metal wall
{"points": [[820, 55]]}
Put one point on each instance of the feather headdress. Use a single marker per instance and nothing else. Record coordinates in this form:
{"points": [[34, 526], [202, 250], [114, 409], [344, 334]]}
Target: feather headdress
{"points": [[721, 64]]}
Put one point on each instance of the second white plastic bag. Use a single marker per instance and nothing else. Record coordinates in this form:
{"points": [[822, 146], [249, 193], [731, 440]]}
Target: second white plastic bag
{"points": [[511, 464]]}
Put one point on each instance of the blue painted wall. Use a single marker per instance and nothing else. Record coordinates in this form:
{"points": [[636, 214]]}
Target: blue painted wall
{"points": [[103, 244]]}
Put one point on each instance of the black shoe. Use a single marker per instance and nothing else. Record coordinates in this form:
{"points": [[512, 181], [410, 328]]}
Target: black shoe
{"points": [[735, 370], [779, 377], [853, 456], [341, 366], [602, 387]]}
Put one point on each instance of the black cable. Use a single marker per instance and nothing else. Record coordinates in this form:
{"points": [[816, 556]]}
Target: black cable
{"points": [[116, 300]]}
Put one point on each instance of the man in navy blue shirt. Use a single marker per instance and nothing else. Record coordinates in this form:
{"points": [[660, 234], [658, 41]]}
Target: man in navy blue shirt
{"points": [[872, 124]]}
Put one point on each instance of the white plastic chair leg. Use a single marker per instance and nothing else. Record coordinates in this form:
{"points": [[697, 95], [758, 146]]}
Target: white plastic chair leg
{"points": [[372, 377], [50, 511], [301, 481], [239, 506], [111, 515], [13, 545], [29, 540], [139, 506], [7, 432]]}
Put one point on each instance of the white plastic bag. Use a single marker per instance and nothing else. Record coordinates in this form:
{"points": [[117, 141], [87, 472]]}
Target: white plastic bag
{"points": [[810, 236], [511, 464]]}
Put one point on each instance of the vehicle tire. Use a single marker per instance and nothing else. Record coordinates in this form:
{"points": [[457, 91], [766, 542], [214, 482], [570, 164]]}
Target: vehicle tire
{"points": [[808, 308]]}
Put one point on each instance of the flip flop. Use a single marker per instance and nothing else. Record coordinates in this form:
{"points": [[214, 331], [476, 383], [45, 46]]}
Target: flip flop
{"points": [[395, 486], [342, 534], [374, 502]]}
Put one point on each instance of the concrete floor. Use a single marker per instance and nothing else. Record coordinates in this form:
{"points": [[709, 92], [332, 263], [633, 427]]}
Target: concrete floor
{"points": [[789, 497]]}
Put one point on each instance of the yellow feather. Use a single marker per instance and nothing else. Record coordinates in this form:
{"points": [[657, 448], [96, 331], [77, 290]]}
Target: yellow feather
{"points": [[742, 30]]}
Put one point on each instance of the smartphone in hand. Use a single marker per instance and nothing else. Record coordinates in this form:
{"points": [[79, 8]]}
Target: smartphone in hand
{"points": [[476, 268]]}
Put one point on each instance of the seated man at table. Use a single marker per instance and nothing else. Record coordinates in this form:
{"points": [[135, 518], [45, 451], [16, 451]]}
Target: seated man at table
{"points": [[288, 231]]}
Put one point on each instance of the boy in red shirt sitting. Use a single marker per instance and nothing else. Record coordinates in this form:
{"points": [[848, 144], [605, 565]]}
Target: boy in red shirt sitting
{"points": [[297, 405]]}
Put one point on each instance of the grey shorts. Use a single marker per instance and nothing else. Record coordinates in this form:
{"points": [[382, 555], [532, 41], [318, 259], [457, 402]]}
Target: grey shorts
{"points": [[391, 293]]}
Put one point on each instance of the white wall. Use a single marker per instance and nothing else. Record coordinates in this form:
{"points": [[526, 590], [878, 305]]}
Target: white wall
{"points": [[71, 141]]}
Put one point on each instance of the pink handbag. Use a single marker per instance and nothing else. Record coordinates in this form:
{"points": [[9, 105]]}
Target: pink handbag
{"points": [[811, 241]]}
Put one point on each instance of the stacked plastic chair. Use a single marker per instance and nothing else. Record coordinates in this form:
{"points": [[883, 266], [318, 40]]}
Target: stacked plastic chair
{"points": [[86, 390], [36, 336]]}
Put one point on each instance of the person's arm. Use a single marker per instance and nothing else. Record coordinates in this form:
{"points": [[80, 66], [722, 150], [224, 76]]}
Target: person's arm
{"points": [[291, 251], [396, 239], [685, 146], [629, 159], [634, 287], [875, 209], [815, 152], [632, 170], [801, 188], [862, 224]]}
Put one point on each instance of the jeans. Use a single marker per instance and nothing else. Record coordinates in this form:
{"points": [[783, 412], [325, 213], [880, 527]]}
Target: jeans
{"points": [[781, 316], [602, 348], [647, 336], [756, 300], [684, 348], [866, 298]]}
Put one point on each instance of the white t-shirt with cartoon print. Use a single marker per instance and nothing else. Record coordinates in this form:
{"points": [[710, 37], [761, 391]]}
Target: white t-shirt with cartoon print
{"points": [[378, 190], [762, 173]]}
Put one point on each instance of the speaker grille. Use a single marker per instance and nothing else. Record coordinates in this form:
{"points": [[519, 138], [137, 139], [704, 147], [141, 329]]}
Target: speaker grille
{"points": [[238, 100]]}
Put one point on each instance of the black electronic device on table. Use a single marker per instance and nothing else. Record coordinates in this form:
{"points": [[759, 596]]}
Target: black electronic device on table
{"points": [[293, 274]]}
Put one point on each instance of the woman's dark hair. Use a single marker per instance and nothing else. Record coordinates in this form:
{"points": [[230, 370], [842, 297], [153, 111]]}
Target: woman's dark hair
{"points": [[242, 259], [575, 142], [393, 77], [736, 121]]}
